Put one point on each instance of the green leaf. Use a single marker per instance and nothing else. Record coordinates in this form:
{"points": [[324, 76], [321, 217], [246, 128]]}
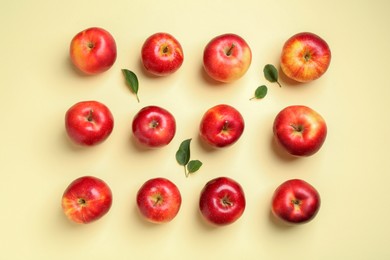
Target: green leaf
{"points": [[271, 73], [132, 81], [260, 92], [183, 153], [194, 166]]}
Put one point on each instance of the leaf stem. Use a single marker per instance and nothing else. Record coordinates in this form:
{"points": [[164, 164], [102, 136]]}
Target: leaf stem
{"points": [[186, 173]]}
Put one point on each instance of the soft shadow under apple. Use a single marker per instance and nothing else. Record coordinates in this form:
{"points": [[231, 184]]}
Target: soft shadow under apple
{"points": [[277, 223], [210, 82], [286, 81], [203, 223], [280, 152], [206, 147]]}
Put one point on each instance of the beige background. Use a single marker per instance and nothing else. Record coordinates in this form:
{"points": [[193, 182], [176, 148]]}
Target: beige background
{"points": [[38, 85]]}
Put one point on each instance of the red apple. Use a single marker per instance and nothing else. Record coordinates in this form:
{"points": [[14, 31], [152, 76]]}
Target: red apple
{"points": [[162, 54], [222, 201], [305, 57], [300, 130], [227, 57], [221, 126], [93, 50], [296, 202], [86, 199], [88, 122], [154, 126], [159, 200]]}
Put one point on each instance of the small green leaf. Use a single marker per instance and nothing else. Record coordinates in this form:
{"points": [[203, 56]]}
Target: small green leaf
{"points": [[183, 153], [194, 166], [132, 81], [260, 92], [271, 73]]}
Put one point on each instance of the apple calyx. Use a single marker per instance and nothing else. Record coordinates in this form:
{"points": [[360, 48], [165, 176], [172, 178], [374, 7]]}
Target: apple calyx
{"points": [[307, 56], [165, 49], [90, 45], [82, 202]]}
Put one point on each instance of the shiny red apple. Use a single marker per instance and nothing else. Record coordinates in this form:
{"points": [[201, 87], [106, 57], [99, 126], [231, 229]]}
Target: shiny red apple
{"points": [[89, 122], [300, 130], [154, 126], [296, 202], [159, 200], [93, 50], [162, 54], [221, 126], [227, 57], [86, 199], [305, 57], [222, 201]]}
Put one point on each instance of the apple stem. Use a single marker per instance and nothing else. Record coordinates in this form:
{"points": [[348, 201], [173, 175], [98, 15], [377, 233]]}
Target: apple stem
{"points": [[229, 52], [225, 126], [90, 118], [226, 201], [158, 199], [298, 128]]}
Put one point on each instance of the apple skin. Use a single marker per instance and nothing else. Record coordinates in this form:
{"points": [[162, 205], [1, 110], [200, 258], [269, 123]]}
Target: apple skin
{"points": [[162, 54], [295, 202], [89, 123], [154, 126], [300, 130], [305, 57], [227, 58], [222, 201], [86, 199], [221, 126], [93, 50], [158, 200]]}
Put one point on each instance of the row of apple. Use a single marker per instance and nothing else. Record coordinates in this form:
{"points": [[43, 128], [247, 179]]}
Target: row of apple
{"points": [[221, 201], [227, 57], [298, 129]]}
